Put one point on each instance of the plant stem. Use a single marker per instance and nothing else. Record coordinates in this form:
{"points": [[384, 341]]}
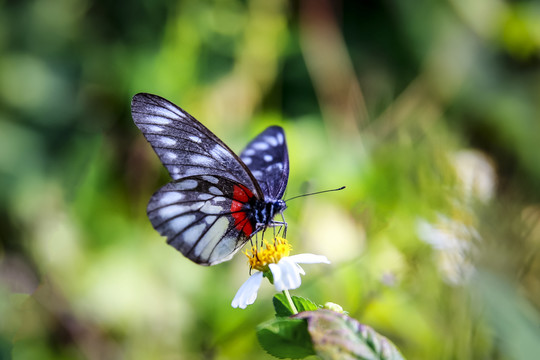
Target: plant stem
{"points": [[291, 303]]}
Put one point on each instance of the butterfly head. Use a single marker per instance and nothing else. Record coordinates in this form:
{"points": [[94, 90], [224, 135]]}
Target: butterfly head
{"points": [[266, 210], [279, 206]]}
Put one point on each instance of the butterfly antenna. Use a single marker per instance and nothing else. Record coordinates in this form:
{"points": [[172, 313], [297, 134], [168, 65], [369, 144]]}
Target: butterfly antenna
{"points": [[315, 193]]}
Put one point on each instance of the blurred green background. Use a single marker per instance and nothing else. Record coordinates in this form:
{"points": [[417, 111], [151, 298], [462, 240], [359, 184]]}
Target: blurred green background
{"points": [[428, 111]]}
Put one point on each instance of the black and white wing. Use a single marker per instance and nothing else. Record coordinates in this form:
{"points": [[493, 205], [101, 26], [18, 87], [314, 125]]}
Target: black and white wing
{"points": [[209, 211], [184, 145], [203, 217], [202, 212], [268, 159]]}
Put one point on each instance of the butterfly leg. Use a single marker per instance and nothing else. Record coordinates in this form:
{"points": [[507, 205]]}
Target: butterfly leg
{"points": [[280, 226], [284, 225], [262, 237]]}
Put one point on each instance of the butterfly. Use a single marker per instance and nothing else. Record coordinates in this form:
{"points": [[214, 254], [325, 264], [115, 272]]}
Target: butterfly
{"points": [[217, 201]]}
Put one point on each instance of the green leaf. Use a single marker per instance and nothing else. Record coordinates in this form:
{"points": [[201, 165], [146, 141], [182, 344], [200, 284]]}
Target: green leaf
{"points": [[285, 338], [281, 305], [338, 336], [6, 348], [303, 304]]}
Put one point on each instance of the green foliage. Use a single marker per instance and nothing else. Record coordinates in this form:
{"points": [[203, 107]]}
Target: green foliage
{"points": [[283, 308], [5, 349], [328, 334], [338, 336], [285, 338]]}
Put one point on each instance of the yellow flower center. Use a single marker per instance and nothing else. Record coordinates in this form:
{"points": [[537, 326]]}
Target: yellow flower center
{"points": [[270, 253]]}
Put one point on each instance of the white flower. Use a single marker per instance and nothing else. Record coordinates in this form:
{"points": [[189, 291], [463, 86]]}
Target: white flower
{"points": [[454, 243], [286, 273], [477, 174]]}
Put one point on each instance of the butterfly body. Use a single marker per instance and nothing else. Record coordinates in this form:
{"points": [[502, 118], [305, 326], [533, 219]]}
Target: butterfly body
{"points": [[217, 201], [264, 211]]}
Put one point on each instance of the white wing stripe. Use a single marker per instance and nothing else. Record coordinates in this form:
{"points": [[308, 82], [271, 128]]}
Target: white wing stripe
{"points": [[156, 119], [167, 141], [189, 184], [172, 211], [213, 235], [261, 146], [208, 208], [170, 197], [271, 140], [180, 223], [210, 179], [214, 190], [227, 245], [193, 233]]}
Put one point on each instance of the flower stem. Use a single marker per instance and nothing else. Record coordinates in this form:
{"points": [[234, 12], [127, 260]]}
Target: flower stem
{"points": [[291, 303]]}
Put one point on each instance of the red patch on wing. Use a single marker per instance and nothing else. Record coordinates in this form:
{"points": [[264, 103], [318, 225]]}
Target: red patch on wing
{"points": [[241, 196]]}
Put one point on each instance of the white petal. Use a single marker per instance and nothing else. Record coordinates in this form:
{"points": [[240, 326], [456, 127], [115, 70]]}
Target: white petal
{"points": [[300, 270], [288, 274], [309, 259], [276, 273], [247, 293]]}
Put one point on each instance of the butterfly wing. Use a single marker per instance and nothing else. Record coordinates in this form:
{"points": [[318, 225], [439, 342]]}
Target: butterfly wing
{"points": [[184, 145], [268, 159], [202, 211], [202, 217]]}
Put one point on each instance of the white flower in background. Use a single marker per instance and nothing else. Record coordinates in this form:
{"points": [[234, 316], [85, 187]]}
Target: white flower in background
{"points": [[274, 262], [453, 242], [453, 239], [476, 173]]}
